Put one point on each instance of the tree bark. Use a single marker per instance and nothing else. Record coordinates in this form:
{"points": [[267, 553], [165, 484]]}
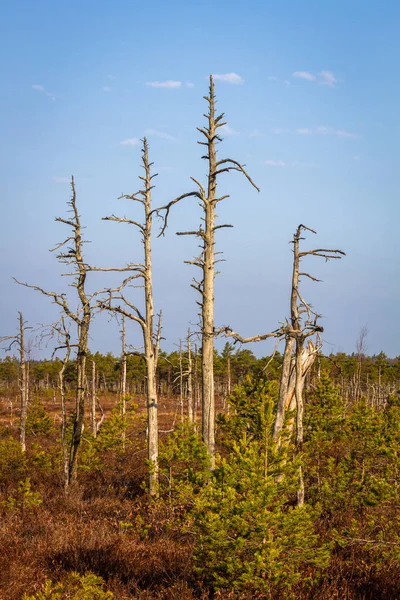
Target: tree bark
{"points": [[24, 386]]}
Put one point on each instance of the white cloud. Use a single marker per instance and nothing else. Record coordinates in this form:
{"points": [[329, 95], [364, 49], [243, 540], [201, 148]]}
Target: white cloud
{"points": [[226, 130], [294, 164], [275, 163], [107, 89], [322, 130], [164, 84], [229, 78], [339, 132], [61, 179], [41, 88], [160, 134], [189, 84], [327, 78], [130, 142], [304, 75]]}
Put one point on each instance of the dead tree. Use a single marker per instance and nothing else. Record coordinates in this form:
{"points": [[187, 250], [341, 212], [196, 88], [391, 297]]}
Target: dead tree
{"points": [[73, 256], [361, 349], [297, 357], [95, 404], [123, 366], [62, 330], [189, 388], [151, 334], [19, 340], [303, 324], [70, 253], [206, 261]]}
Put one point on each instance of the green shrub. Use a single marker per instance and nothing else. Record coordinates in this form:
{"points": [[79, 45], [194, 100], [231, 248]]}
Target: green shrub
{"points": [[74, 587], [38, 421], [24, 500], [13, 462], [183, 464], [248, 536], [113, 438]]}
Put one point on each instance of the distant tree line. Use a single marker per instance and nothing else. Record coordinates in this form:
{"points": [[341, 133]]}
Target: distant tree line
{"points": [[379, 376]]}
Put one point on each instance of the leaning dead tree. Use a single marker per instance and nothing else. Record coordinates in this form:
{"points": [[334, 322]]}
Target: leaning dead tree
{"points": [[300, 351], [151, 333], [70, 253], [19, 341], [299, 357], [206, 261]]}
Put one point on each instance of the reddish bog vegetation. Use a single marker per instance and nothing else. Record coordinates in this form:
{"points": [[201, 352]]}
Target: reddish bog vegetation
{"points": [[142, 548]]}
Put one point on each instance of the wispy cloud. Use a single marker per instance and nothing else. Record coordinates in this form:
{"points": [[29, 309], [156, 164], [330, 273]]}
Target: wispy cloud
{"points": [[40, 88], [130, 142], [304, 75], [107, 89], [189, 84], [275, 163], [322, 78], [283, 164], [226, 130], [327, 78], [322, 130], [272, 78], [61, 179], [160, 134], [339, 132], [171, 84], [229, 78], [304, 131]]}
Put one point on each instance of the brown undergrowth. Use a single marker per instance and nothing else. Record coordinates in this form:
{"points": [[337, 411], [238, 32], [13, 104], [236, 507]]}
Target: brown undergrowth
{"points": [[107, 525]]}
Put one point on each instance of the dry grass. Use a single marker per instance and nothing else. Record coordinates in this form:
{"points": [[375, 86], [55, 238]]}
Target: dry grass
{"points": [[106, 524]]}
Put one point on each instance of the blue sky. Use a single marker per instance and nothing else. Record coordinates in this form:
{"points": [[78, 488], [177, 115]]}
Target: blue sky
{"points": [[310, 91]]}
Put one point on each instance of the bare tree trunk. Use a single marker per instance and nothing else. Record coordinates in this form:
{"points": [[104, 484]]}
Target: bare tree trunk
{"points": [[64, 332], [190, 404], [73, 256], [93, 401], [207, 259], [283, 390], [151, 337], [123, 379], [123, 366], [181, 380], [24, 389]]}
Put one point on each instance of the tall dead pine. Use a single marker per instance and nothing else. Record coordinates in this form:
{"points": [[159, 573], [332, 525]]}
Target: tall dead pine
{"points": [[206, 261], [298, 357], [151, 333], [70, 253]]}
